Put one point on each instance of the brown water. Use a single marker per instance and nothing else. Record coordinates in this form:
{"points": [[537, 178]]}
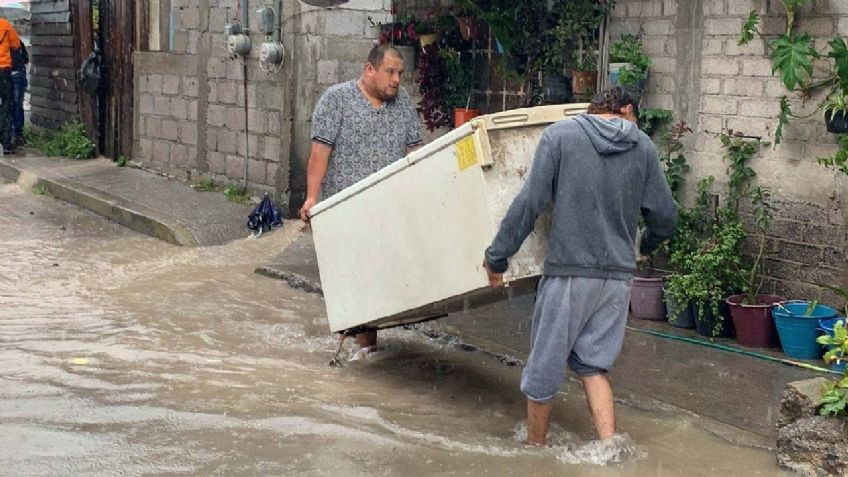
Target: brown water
{"points": [[123, 355]]}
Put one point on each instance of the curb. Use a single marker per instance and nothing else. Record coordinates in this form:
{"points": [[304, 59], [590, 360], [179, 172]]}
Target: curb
{"points": [[116, 209]]}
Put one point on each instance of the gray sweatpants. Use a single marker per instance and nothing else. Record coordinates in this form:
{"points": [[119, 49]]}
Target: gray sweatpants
{"points": [[579, 322]]}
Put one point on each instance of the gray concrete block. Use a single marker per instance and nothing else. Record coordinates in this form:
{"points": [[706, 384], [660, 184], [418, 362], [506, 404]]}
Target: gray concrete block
{"points": [[272, 150], [211, 139], [170, 130], [154, 83], [179, 108], [719, 105], [227, 141], [235, 118], [154, 127], [191, 110], [188, 132], [161, 151], [328, 71], [179, 154], [235, 167], [146, 103], [256, 121], [254, 144], [161, 105], [216, 115], [171, 84], [217, 162], [256, 172]]}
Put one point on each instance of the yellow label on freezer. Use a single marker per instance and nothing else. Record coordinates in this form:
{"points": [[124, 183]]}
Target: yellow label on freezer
{"points": [[466, 154]]}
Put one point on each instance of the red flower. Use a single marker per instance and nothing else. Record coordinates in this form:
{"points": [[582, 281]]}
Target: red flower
{"points": [[398, 32], [393, 10]]}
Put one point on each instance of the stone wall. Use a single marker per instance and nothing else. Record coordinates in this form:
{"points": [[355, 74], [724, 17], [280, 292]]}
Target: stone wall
{"points": [[701, 74]]}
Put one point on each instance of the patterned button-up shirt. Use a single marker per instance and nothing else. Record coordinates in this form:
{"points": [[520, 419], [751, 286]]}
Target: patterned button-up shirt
{"points": [[364, 138]]}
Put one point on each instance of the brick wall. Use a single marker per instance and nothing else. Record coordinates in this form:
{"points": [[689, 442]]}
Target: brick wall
{"points": [[701, 74]]}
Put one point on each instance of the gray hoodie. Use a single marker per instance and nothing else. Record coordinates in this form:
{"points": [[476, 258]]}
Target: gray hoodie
{"points": [[601, 176]]}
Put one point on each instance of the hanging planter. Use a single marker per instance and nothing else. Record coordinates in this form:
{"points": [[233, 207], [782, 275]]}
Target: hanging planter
{"points": [[583, 82], [429, 39], [837, 121], [467, 27]]}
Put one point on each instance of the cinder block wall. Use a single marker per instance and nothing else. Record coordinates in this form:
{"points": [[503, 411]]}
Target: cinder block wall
{"points": [[190, 100], [701, 74]]}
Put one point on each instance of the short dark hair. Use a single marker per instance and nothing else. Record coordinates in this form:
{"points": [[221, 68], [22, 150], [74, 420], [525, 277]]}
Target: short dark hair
{"points": [[375, 57], [612, 100]]}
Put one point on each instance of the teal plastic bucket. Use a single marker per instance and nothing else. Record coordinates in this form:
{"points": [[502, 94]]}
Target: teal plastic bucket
{"points": [[797, 330]]}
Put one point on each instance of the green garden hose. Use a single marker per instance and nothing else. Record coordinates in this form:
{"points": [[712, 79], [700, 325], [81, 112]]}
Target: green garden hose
{"points": [[745, 352]]}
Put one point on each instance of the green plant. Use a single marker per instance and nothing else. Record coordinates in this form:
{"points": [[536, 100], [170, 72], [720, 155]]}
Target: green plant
{"points": [[836, 102], [628, 49], [71, 141], [459, 82], [207, 185], [792, 55], [739, 152], [671, 155], [122, 161], [41, 189], [652, 120], [237, 195], [835, 393], [839, 160]]}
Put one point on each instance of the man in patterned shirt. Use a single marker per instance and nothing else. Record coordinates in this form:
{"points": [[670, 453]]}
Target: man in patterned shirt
{"points": [[358, 128]]}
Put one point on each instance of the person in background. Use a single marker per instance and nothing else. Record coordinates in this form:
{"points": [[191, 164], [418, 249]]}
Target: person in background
{"points": [[9, 40], [358, 128], [599, 174], [20, 60]]}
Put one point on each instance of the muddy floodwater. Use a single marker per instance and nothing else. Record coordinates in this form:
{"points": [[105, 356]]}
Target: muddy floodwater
{"points": [[124, 355]]}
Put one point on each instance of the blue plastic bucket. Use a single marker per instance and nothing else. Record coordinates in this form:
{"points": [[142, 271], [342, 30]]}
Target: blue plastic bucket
{"points": [[826, 325], [798, 331]]}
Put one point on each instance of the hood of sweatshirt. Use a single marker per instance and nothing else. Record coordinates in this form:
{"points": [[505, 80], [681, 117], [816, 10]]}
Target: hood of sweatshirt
{"points": [[609, 136]]}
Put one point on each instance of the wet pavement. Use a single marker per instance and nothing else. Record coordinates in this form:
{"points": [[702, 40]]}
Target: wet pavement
{"points": [[124, 355]]}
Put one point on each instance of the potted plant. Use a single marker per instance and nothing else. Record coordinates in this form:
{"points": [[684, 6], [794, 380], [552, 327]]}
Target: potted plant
{"points": [[793, 55], [750, 310], [458, 85], [400, 34], [835, 111], [426, 30], [577, 28], [629, 64], [646, 298], [466, 20]]}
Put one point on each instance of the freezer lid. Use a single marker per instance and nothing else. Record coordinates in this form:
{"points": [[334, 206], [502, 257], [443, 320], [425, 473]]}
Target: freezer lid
{"points": [[479, 126]]}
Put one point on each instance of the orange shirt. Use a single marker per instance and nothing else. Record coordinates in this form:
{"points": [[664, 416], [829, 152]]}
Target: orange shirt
{"points": [[9, 40]]}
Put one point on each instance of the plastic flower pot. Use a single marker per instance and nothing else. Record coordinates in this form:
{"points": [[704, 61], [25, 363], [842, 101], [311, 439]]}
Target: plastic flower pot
{"points": [[712, 326], [429, 39], [798, 329], [463, 115], [836, 121], [679, 317], [467, 27], [754, 324], [646, 298], [583, 82]]}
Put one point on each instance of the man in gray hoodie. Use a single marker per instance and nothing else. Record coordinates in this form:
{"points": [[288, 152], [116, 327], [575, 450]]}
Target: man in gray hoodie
{"points": [[598, 174]]}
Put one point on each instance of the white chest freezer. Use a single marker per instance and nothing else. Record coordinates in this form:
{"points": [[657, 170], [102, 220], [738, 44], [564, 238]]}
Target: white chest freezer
{"points": [[406, 243]]}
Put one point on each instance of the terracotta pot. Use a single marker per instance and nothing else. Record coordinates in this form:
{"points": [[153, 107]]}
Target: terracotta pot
{"points": [[429, 39], [583, 82], [462, 116], [467, 27], [754, 324], [646, 299]]}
